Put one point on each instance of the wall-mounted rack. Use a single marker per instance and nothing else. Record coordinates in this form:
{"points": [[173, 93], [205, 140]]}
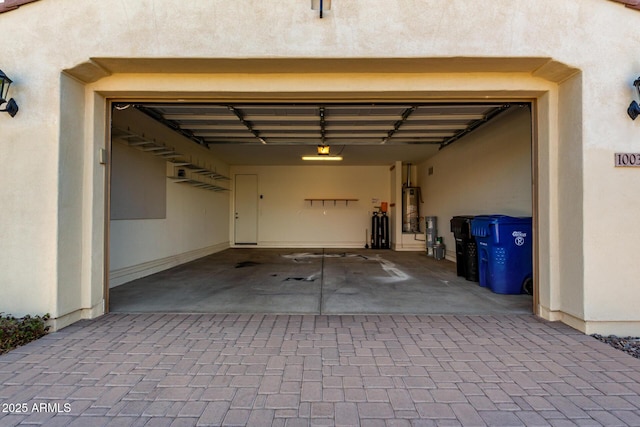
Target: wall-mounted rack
{"points": [[334, 200]]}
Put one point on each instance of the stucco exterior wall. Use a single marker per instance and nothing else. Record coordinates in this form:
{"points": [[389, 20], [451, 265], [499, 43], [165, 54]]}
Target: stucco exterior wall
{"points": [[576, 60], [570, 197]]}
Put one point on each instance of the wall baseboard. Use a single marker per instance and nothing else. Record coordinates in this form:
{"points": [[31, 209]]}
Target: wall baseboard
{"points": [[408, 247], [304, 245], [70, 318], [622, 328], [603, 327], [561, 316], [127, 274]]}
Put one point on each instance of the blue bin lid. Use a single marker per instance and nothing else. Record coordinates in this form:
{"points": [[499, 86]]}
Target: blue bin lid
{"points": [[481, 225], [506, 219]]}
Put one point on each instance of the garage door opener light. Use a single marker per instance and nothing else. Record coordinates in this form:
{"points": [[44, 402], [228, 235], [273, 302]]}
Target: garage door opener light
{"points": [[323, 154], [12, 106]]}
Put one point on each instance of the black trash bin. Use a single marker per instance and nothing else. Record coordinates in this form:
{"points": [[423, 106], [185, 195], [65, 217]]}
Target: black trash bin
{"points": [[466, 249]]}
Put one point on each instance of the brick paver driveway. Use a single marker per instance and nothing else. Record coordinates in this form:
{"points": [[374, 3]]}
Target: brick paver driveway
{"points": [[263, 370]]}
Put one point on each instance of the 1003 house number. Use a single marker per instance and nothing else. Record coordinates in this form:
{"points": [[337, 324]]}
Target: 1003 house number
{"points": [[627, 159], [26, 408]]}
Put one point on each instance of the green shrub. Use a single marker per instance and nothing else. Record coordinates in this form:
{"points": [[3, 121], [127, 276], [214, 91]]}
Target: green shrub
{"points": [[15, 332]]}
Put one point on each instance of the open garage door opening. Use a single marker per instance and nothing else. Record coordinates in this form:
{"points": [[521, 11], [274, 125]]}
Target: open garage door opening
{"points": [[213, 207]]}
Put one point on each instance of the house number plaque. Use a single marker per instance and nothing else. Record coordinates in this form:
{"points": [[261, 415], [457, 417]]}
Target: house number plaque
{"points": [[627, 160]]}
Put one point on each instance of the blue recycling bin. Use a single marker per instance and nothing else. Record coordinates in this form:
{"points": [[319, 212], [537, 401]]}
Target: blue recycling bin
{"points": [[504, 252]]}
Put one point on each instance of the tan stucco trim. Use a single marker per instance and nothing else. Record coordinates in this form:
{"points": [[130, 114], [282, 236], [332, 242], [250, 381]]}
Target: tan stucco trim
{"points": [[590, 327], [81, 314], [97, 68], [89, 71], [561, 316]]}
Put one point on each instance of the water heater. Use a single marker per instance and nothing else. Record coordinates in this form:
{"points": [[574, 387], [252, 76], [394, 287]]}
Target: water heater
{"points": [[411, 209]]}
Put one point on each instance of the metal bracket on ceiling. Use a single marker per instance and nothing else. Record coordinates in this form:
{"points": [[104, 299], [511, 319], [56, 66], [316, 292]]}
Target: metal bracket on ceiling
{"points": [[247, 124], [492, 114], [405, 115]]}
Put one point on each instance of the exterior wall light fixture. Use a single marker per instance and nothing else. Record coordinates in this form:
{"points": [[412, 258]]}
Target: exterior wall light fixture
{"points": [[11, 107], [634, 109], [321, 5]]}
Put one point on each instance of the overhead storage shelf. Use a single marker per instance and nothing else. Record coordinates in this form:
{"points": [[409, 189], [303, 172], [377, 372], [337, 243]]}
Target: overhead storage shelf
{"points": [[175, 159], [199, 170], [197, 184], [334, 200], [146, 145]]}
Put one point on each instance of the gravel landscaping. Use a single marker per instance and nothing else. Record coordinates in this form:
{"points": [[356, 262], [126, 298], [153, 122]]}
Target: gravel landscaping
{"points": [[629, 345]]}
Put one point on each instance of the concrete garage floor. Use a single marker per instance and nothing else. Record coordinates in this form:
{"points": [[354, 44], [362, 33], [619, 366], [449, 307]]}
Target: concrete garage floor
{"points": [[313, 281]]}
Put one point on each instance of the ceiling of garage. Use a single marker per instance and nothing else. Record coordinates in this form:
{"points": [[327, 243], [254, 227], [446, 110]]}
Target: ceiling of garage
{"points": [[364, 134]]}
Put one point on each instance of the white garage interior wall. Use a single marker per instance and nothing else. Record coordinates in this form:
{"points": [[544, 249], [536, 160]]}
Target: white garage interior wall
{"points": [[285, 219], [487, 172], [138, 183], [196, 223]]}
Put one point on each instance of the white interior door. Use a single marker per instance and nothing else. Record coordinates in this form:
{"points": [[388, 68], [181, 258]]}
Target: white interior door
{"points": [[246, 209]]}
